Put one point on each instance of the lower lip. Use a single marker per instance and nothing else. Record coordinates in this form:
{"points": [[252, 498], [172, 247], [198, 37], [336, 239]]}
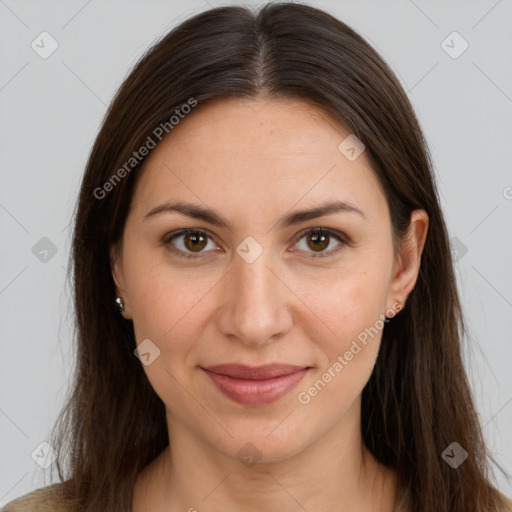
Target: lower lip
{"points": [[256, 392]]}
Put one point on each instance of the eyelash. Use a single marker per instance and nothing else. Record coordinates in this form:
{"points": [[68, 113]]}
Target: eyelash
{"points": [[317, 231]]}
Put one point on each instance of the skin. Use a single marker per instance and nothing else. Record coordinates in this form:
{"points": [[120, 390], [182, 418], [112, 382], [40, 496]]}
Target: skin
{"points": [[253, 162]]}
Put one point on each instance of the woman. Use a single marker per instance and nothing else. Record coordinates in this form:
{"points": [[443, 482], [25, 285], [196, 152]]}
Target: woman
{"points": [[260, 208]]}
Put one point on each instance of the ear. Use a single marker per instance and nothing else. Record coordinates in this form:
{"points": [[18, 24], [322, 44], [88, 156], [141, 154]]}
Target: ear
{"points": [[116, 267], [407, 262]]}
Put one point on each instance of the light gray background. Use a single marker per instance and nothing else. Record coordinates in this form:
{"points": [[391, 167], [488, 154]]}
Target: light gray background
{"points": [[51, 111]]}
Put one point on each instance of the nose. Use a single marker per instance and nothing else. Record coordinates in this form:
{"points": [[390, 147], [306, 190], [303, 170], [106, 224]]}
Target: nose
{"points": [[255, 303]]}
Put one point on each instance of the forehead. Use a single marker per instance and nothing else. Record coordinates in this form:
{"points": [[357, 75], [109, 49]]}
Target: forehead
{"points": [[270, 129], [253, 154]]}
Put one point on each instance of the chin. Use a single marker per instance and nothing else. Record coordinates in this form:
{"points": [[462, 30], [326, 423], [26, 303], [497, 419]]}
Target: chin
{"points": [[265, 441]]}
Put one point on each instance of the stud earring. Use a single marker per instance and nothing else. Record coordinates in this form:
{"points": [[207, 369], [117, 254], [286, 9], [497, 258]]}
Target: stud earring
{"points": [[120, 304]]}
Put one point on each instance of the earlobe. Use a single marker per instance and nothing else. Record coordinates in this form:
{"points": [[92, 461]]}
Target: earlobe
{"points": [[120, 299], [408, 260]]}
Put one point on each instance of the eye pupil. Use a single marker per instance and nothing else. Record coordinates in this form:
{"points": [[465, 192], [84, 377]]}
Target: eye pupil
{"points": [[319, 241], [197, 240]]}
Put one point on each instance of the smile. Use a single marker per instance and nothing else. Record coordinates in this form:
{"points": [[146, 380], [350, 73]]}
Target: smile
{"points": [[255, 386]]}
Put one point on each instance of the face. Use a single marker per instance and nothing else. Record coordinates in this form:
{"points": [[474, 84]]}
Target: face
{"points": [[254, 284]]}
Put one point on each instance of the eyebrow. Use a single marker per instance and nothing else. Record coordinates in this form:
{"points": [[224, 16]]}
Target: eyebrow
{"points": [[214, 218]]}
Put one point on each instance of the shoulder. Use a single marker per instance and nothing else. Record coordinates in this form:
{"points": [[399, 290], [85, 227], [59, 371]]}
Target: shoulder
{"points": [[507, 504], [46, 499]]}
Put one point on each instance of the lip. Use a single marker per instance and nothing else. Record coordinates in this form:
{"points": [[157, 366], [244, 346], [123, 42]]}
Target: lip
{"points": [[255, 385]]}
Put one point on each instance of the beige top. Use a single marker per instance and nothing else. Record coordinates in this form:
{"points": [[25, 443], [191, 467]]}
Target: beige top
{"points": [[46, 500]]}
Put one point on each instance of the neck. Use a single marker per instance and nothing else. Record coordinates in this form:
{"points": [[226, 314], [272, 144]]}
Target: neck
{"points": [[194, 475]]}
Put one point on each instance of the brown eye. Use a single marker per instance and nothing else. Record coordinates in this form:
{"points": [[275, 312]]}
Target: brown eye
{"points": [[317, 240], [195, 242], [188, 243]]}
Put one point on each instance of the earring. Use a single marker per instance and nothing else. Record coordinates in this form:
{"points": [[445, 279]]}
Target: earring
{"points": [[120, 304]]}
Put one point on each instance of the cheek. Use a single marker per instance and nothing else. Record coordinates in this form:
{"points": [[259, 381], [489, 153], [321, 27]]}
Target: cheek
{"points": [[170, 306], [352, 303], [167, 309], [165, 303], [351, 310], [347, 355]]}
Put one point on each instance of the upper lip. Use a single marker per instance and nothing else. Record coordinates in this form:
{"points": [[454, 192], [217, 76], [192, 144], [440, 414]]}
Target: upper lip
{"points": [[241, 371]]}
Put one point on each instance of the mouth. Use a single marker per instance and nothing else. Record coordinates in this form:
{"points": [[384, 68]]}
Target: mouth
{"points": [[255, 385]]}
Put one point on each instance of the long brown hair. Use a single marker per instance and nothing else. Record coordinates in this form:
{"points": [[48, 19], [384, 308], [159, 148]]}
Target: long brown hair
{"points": [[417, 401]]}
